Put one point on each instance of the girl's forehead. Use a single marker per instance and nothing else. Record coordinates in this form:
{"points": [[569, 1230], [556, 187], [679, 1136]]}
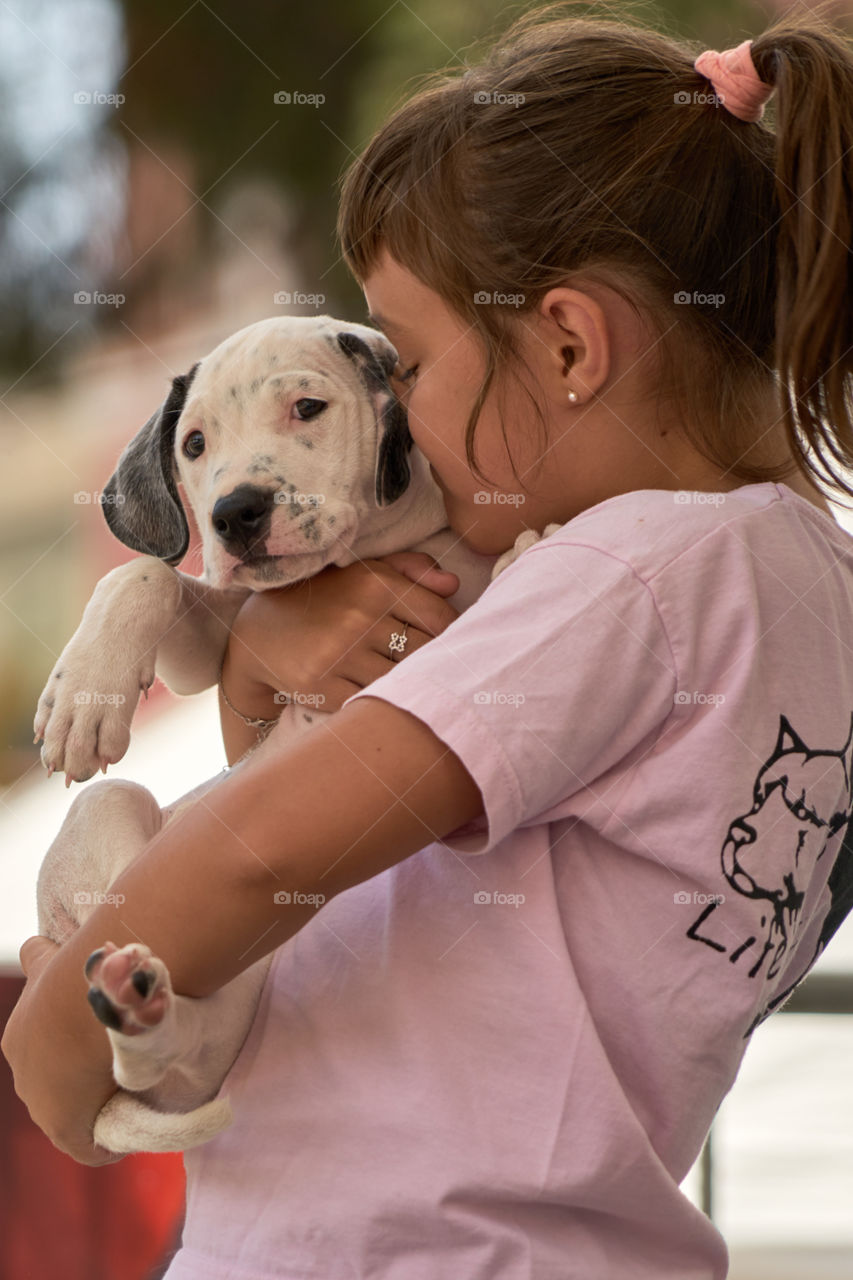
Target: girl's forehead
{"points": [[388, 287], [401, 305]]}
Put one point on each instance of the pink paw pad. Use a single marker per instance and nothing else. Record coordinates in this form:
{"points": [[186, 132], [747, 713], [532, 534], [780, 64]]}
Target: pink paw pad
{"points": [[126, 991]]}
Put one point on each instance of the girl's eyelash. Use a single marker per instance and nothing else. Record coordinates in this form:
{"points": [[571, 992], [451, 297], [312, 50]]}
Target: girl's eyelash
{"points": [[409, 373]]}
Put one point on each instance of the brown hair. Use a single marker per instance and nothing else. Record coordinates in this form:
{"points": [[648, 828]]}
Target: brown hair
{"points": [[619, 164]]}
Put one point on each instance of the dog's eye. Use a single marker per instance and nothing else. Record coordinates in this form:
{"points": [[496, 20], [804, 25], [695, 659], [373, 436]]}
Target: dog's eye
{"points": [[309, 408], [193, 445]]}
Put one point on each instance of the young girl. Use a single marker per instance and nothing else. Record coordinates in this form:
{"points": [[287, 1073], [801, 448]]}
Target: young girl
{"points": [[577, 845]]}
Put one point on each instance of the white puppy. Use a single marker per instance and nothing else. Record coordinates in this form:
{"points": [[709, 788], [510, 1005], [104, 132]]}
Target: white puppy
{"points": [[294, 454]]}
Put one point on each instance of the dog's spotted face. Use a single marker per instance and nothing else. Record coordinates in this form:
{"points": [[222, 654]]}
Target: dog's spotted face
{"points": [[282, 437]]}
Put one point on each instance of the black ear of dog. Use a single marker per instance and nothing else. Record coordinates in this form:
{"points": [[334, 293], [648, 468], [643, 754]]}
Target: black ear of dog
{"points": [[393, 473], [140, 500]]}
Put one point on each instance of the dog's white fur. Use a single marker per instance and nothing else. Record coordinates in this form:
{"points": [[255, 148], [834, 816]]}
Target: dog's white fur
{"points": [[341, 494]]}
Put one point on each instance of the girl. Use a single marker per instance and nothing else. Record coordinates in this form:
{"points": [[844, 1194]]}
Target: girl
{"points": [[577, 845]]}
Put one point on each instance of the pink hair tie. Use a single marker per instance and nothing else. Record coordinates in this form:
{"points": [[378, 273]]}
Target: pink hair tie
{"points": [[736, 82]]}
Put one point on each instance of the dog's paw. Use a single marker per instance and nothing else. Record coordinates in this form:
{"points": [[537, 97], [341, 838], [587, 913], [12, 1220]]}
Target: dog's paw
{"points": [[84, 718], [129, 989], [527, 538]]}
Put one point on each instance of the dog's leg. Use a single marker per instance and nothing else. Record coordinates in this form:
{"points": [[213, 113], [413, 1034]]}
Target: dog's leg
{"points": [[190, 654], [86, 708], [106, 828], [176, 1049]]}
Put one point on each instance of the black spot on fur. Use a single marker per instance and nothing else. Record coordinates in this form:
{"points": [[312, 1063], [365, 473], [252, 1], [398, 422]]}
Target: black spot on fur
{"points": [[311, 531]]}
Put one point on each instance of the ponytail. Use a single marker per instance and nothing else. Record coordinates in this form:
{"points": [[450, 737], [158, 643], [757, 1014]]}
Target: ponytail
{"points": [[811, 67]]}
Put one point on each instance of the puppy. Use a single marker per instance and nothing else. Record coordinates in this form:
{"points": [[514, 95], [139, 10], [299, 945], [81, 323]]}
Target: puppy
{"points": [[294, 454]]}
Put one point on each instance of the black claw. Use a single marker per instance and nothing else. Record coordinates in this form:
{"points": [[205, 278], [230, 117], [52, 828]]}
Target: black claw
{"points": [[92, 961], [142, 981], [104, 1011]]}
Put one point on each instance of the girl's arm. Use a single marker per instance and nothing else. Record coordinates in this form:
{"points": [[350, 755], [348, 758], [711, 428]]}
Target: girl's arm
{"points": [[365, 789]]}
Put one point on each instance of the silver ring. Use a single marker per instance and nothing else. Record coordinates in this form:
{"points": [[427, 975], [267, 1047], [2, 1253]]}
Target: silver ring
{"points": [[398, 642]]}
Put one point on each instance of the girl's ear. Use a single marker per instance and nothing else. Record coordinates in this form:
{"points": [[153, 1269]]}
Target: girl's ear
{"points": [[576, 329]]}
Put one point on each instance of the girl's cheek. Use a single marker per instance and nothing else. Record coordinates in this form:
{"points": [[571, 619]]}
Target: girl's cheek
{"points": [[436, 430]]}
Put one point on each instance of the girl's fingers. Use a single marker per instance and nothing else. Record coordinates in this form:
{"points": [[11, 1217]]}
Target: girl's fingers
{"points": [[36, 953], [369, 663], [417, 596], [424, 570], [383, 654]]}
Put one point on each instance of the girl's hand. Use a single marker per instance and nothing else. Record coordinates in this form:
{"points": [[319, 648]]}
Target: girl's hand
{"points": [[327, 637], [57, 1078]]}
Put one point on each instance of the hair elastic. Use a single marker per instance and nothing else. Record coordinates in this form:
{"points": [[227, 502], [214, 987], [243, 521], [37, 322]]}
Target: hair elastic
{"points": [[736, 82]]}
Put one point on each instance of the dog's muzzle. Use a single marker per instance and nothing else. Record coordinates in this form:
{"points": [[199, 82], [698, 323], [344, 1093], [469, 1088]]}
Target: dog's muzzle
{"points": [[242, 519]]}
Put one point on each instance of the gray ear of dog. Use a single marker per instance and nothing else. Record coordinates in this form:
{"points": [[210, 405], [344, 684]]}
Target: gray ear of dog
{"points": [[393, 473], [140, 500]]}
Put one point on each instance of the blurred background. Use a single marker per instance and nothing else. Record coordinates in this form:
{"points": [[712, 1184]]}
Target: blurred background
{"points": [[154, 197]]}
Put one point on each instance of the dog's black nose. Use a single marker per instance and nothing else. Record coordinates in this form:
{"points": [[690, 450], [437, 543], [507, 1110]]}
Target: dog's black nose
{"points": [[241, 518]]}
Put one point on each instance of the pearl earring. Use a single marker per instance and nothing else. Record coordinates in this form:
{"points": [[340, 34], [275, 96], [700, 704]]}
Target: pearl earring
{"points": [[573, 397]]}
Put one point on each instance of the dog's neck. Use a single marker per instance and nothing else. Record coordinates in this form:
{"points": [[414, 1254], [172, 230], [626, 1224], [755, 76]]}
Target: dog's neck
{"points": [[420, 512]]}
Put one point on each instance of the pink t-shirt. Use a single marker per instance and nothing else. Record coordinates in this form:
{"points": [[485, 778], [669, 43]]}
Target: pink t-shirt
{"points": [[498, 1059]]}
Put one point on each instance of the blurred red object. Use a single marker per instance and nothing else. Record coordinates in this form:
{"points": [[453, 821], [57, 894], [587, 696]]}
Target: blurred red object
{"points": [[60, 1218]]}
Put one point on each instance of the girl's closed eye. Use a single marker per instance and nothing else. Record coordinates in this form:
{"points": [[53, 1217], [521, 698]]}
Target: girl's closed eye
{"points": [[406, 374]]}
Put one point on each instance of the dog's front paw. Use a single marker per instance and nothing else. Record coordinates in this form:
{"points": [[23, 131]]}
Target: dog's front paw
{"points": [[84, 718], [527, 538], [129, 990]]}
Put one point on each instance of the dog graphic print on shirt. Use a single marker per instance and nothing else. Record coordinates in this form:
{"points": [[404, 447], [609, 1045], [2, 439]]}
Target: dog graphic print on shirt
{"points": [[802, 802]]}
